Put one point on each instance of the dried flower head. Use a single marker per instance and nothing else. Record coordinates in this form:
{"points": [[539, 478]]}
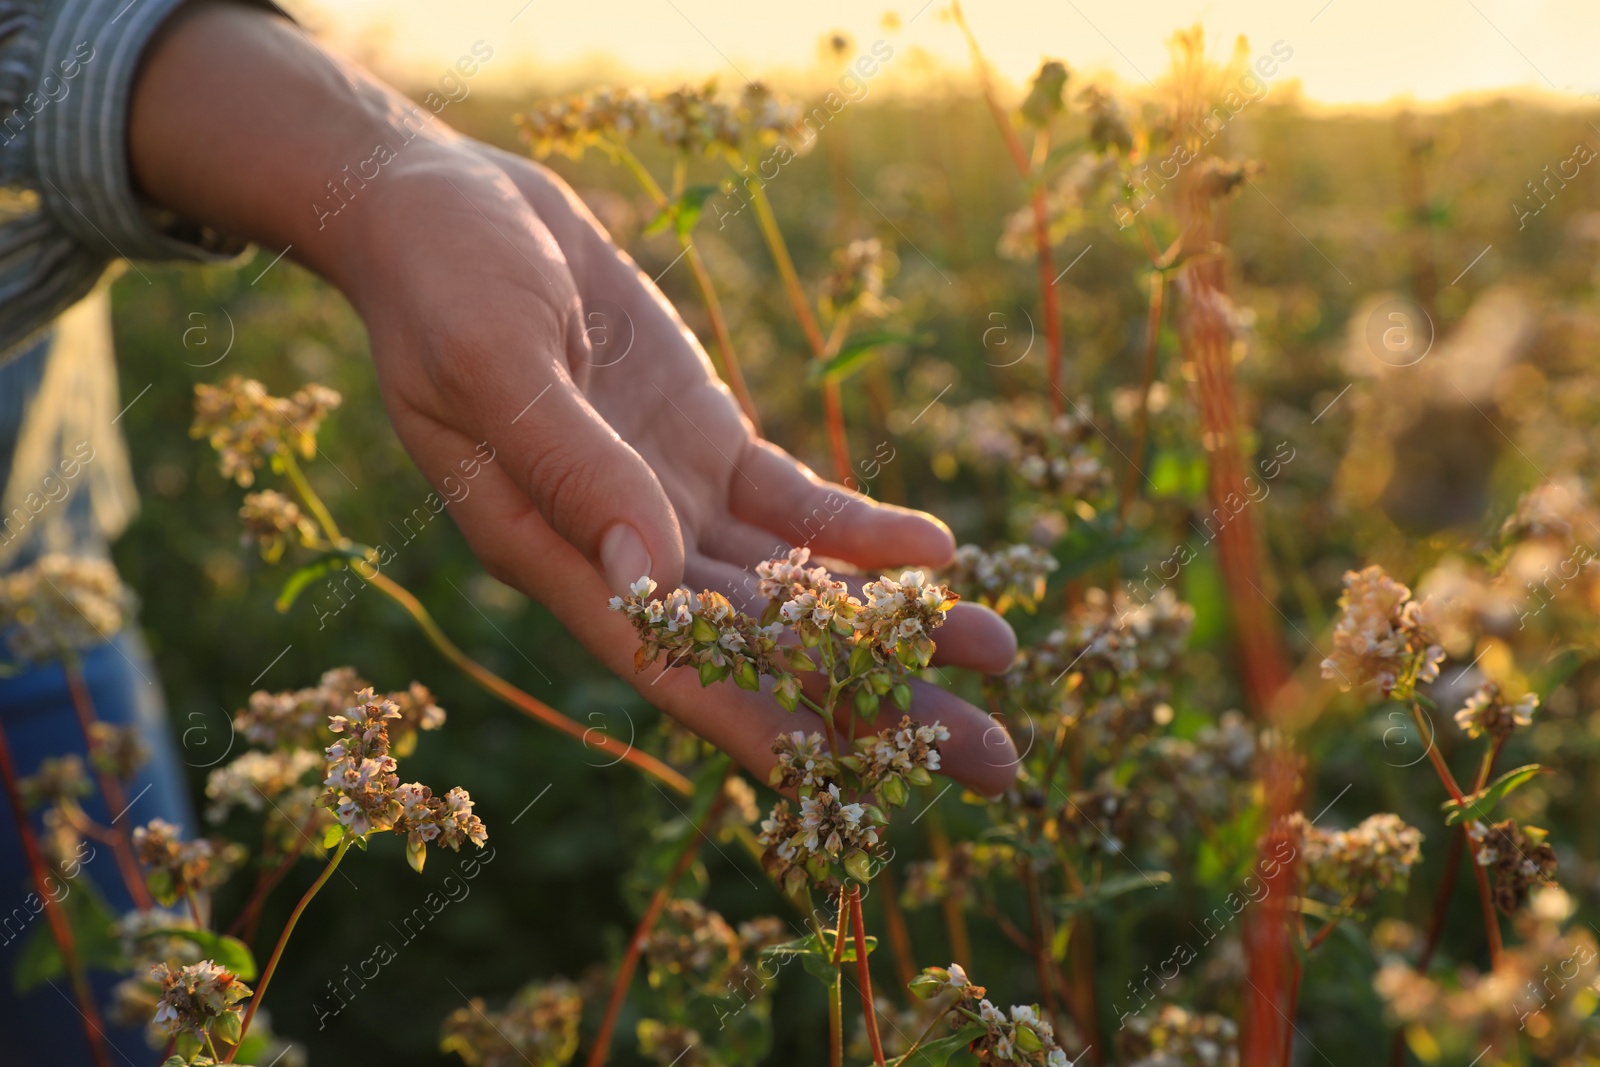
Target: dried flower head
{"points": [[1383, 637], [539, 1027], [1487, 712], [1519, 859], [250, 428], [271, 520], [61, 604]]}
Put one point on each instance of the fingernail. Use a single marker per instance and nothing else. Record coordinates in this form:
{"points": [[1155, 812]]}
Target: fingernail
{"points": [[623, 557]]}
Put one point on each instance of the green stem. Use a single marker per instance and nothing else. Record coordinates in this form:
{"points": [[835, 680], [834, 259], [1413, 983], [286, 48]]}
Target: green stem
{"points": [[283, 939], [313, 502]]}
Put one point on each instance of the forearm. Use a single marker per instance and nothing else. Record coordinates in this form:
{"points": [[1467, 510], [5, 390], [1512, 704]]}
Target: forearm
{"points": [[239, 122]]}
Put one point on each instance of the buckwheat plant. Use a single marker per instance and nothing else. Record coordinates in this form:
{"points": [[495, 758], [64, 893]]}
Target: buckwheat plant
{"points": [[252, 431], [855, 653]]}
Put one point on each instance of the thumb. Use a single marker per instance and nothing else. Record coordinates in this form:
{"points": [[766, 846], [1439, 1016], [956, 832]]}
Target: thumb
{"points": [[594, 489]]}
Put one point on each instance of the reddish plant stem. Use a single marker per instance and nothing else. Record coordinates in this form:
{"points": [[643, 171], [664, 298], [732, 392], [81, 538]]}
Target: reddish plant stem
{"points": [[265, 884], [1041, 212], [283, 940], [719, 330], [864, 974], [1491, 918], [110, 790], [60, 929], [955, 922], [1141, 432], [523, 702], [647, 922], [895, 921], [1039, 950]]}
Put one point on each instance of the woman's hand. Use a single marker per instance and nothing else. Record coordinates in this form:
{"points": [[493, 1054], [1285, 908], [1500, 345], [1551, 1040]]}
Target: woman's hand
{"points": [[473, 270]]}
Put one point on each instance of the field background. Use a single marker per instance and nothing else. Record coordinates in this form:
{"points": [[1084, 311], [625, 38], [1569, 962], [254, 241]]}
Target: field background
{"points": [[1328, 226]]}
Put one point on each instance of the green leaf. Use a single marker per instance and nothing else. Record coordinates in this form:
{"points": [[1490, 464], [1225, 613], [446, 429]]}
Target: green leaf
{"points": [[690, 204], [1479, 805], [227, 952], [817, 957], [1111, 888], [303, 577], [937, 1053], [333, 835], [853, 355], [682, 212], [39, 960]]}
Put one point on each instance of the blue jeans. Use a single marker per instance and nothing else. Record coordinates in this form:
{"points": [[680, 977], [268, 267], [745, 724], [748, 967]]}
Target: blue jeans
{"points": [[44, 1027]]}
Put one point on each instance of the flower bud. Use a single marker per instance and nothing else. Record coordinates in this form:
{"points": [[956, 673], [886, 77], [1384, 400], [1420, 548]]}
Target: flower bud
{"points": [[866, 704], [929, 983], [745, 676], [858, 865], [894, 790], [1027, 1040]]}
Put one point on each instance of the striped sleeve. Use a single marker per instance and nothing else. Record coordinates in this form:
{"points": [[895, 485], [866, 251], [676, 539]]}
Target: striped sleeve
{"points": [[89, 52]]}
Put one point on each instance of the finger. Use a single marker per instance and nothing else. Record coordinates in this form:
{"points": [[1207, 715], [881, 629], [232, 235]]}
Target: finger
{"points": [[795, 504], [975, 638], [739, 543]]}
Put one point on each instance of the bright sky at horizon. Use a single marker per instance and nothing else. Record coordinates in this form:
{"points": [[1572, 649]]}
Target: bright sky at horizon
{"points": [[1345, 51]]}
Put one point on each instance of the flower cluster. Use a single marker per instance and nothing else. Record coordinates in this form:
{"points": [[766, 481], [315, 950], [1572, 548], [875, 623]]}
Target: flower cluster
{"points": [[955, 876], [175, 868], [116, 750], [281, 782], [272, 521], [1108, 667], [1172, 1036], [299, 718], [1209, 775], [829, 832], [1057, 461], [1542, 993], [898, 617], [61, 604], [199, 1001], [1519, 858], [693, 943], [250, 428], [855, 284], [706, 632], [366, 793], [1487, 712], [140, 936], [689, 119], [1383, 637], [539, 1027], [1021, 1037], [58, 780], [1015, 574], [1351, 864]]}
